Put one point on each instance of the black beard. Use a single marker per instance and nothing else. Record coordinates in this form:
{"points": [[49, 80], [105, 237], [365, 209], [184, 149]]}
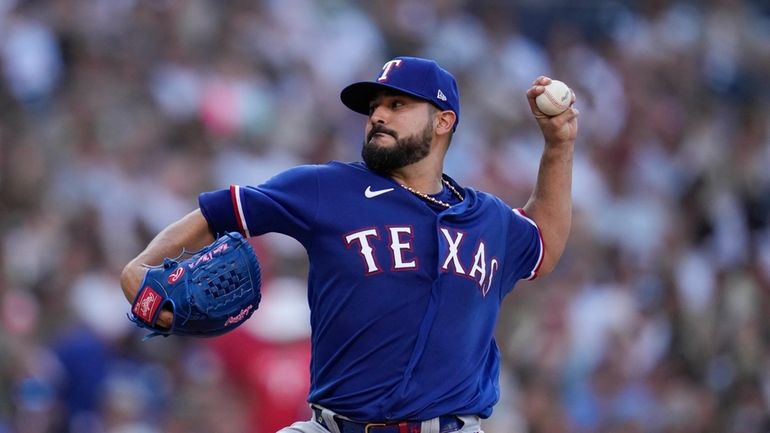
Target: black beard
{"points": [[406, 151]]}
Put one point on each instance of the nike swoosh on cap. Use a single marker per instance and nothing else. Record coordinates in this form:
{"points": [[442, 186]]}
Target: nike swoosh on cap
{"points": [[371, 194]]}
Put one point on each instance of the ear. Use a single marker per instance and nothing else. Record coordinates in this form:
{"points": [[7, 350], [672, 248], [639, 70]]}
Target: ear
{"points": [[444, 122]]}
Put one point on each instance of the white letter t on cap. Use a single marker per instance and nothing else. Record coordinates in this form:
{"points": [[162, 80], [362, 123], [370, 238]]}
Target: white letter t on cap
{"points": [[387, 67]]}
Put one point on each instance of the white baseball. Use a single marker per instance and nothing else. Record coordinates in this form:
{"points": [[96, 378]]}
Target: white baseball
{"points": [[556, 98]]}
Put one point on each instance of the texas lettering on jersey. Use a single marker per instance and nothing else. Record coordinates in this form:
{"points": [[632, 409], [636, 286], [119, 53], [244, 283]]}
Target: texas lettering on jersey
{"points": [[399, 241]]}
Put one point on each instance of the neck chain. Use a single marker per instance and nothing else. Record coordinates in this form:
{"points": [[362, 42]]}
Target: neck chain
{"points": [[435, 200]]}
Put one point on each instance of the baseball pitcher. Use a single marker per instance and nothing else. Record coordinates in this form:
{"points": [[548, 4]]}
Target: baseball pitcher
{"points": [[408, 268]]}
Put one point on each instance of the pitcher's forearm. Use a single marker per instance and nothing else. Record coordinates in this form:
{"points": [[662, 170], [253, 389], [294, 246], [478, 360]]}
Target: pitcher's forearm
{"points": [[190, 233], [550, 205]]}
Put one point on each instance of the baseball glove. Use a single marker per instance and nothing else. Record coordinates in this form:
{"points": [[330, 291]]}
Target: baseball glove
{"points": [[210, 293]]}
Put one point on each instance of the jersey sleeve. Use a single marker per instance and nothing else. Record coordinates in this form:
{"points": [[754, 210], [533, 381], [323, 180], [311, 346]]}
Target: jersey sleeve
{"points": [[286, 203], [525, 246]]}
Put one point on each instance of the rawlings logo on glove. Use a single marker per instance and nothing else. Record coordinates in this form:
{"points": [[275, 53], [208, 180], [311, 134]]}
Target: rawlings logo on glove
{"points": [[211, 292], [239, 318], [146, 305]]}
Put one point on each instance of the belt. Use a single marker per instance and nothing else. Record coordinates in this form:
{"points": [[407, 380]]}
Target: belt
{"points": [[447, 423]]}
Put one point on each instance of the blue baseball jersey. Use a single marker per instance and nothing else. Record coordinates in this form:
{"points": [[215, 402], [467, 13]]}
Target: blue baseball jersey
{"points": [[403, 297]]}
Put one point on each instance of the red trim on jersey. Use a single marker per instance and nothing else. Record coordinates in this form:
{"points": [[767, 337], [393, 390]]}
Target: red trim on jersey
{"points": [[539, 263], [235, 197]]}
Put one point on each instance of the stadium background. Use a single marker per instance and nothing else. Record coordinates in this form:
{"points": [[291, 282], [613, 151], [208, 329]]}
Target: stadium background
{"points": [[114, 114]]}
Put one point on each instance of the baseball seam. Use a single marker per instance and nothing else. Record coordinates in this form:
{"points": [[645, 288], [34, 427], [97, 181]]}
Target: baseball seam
{"points": [[555, 101]]}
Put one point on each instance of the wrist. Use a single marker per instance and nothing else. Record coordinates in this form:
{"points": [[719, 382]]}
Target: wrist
{"points": [[560, 144], [559, 151]]}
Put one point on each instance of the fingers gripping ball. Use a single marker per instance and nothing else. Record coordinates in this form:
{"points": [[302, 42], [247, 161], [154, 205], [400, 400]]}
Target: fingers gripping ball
{"points": [[556, 98], [210, 293]]}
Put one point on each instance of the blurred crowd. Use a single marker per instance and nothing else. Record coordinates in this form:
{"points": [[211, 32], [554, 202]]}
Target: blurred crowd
{"points": [[115, 114]]}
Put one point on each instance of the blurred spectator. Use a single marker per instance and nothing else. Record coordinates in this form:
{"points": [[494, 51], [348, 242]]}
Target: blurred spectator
{"points": [[267, 359], [31, 58]]}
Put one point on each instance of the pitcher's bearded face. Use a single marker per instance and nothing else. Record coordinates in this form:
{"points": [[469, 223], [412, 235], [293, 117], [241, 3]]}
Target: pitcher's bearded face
{"points": [[405, 151]]}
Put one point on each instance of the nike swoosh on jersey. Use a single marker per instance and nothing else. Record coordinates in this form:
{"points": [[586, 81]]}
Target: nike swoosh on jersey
{"points": [[371, 194]]}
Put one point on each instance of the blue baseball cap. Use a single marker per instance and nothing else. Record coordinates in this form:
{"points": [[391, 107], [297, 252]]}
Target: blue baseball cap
{"points": [[421, 78]]}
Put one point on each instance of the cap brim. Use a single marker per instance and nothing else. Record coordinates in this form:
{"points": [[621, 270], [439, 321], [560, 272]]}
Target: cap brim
{"points": [[358, 96]]}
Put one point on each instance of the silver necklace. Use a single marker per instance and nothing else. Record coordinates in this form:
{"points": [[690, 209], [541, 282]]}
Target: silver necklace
{"points": [[435, 200]]}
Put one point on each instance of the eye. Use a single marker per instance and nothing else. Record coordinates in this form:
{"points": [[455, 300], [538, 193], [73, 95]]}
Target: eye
{"points": [[372, 107], [397, 103]]}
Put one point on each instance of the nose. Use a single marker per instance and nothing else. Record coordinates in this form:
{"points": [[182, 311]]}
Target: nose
{"points": [[377, 115]]}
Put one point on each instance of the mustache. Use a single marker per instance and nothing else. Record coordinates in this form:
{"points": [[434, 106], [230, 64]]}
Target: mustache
{"points": [[376, 129]]}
